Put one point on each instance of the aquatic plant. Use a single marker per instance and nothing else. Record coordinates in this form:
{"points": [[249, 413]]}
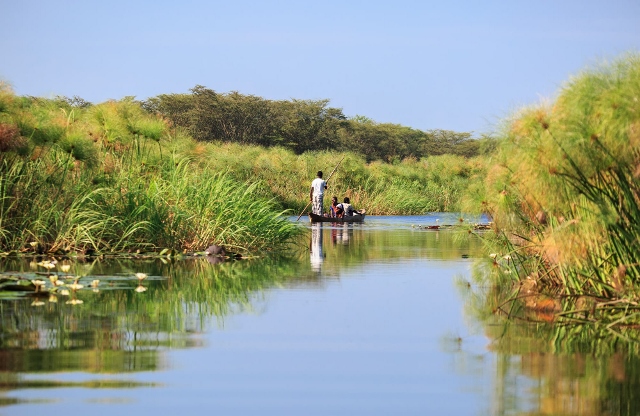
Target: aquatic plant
{"points": [[564, 190]]}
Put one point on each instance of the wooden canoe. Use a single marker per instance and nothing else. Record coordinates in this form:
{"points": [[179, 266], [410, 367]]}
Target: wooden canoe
{"points": [[318, 218]]}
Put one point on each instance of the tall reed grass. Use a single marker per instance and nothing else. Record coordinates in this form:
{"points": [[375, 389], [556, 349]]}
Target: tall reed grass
{"points": [[98, 180], [564, 188], [407, 187]]}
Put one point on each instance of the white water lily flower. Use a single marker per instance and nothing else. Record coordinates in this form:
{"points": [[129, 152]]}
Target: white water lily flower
{"points": [[141, 289], [493, 255], [33, 243], [38, 282], [58, 283], [75, 286], [53, 298], [64, 292], [37, 303], [53, 278], [74, 302], [95, 283], [65, 267], [141, 276]]}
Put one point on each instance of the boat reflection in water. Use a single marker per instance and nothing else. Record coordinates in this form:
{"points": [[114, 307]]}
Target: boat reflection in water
{"points": [[341, 235]]}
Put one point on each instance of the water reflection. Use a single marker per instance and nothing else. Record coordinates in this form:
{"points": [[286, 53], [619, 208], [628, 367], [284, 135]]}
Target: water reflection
{"points": [[340, 234], [272, 331], [317, 256], [585, 369]]}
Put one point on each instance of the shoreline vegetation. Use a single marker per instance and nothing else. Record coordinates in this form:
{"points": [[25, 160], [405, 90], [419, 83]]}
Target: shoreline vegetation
{"points": [[564, 193], [129, 176]]}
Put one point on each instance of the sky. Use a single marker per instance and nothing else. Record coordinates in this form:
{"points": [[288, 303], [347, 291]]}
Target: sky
{"points": [[453, 65]]}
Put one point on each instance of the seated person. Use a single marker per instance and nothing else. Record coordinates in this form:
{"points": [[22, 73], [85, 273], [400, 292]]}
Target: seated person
{"points": [[335, 211], [346, 208]]}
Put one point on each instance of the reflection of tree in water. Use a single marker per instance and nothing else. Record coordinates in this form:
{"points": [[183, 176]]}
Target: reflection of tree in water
{"points": [[544, 368]]}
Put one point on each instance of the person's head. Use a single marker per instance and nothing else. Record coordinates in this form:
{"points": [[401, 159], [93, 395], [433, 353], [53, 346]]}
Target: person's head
{"points": [[334, 199], [319, 174], [346, 200]]}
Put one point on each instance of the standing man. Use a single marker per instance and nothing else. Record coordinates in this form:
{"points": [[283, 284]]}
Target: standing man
{"points": [[316, 194]]}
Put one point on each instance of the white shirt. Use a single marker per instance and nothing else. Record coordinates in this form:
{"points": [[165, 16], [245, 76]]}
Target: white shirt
{"points": [[347, 208], [318, 185]]}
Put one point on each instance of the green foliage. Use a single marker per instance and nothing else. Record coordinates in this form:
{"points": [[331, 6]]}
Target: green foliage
{"points": [[301, 126]]}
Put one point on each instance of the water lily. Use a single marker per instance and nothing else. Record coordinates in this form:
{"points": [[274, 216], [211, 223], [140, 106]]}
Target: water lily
{"points": [[53, 298], [141, 276], [75, 286], [47, 264], [33, 244], [65, 267], [95, 283], [38, 282], [53, 278], [74, 302], [493, 255], [64, 292], [141, 289], [58, 283], [37, 303]]}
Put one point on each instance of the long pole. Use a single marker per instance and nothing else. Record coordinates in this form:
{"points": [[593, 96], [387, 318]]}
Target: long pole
{"points": [[334, 171]]}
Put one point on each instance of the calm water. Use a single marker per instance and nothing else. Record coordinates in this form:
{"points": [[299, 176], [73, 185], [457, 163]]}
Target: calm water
{"points": [[378, 318]]}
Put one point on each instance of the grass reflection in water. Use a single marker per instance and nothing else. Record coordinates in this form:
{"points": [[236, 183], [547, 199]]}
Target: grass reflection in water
{"points": [[569, 367]]}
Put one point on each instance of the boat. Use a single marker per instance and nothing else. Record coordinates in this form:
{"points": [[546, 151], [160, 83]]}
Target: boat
{"points": [[314, 218]]}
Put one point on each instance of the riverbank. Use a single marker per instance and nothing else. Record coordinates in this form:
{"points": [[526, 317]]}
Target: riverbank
{"points": [[565, 196], [112, 177]]}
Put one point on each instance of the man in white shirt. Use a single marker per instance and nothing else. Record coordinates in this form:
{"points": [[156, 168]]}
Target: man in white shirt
{"points": [[316, 194]]}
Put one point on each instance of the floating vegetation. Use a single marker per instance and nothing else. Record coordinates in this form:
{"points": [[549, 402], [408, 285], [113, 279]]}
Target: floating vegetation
{"points": [[22, 284]]}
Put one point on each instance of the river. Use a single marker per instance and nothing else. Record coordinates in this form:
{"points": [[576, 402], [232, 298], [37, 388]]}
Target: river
{"points": [[380, 318]]}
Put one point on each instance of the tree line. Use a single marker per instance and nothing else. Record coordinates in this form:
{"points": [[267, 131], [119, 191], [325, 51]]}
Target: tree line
{"points": [[303, 125]]}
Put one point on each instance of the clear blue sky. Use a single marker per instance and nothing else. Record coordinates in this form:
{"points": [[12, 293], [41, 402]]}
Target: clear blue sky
{"points": [[455, 65]]}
